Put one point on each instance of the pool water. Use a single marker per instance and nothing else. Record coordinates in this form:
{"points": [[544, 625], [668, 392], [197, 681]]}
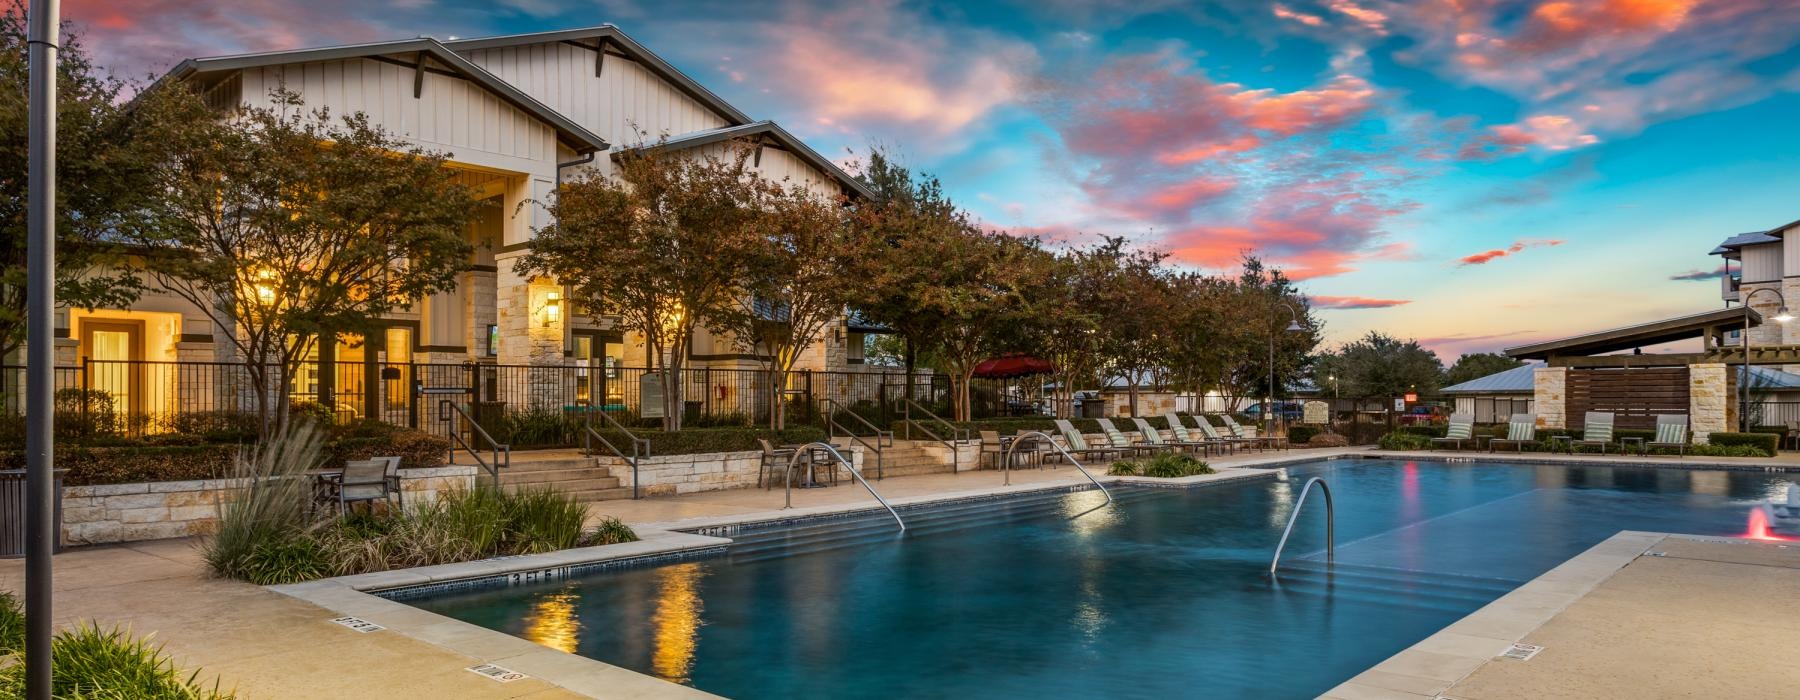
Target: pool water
{"points": [[1163, 595]]}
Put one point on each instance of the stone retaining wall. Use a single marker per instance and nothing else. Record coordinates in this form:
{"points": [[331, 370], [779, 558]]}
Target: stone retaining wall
{"points": [[158, 510], [711, 471]]}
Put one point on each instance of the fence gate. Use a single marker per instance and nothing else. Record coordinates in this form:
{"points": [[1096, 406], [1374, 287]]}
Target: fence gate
{"points": [[437, 382], [1635, 396]]}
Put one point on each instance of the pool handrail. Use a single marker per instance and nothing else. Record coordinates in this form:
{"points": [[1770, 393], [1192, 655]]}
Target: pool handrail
{"points": [[806, 450], [1330, 524], [1006, 464]]}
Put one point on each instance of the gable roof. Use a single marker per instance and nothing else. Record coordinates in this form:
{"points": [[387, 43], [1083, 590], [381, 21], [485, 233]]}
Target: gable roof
{"points": [[1519, 379], [570, 133], [608, 36], [1730, 245], [773, 132]]}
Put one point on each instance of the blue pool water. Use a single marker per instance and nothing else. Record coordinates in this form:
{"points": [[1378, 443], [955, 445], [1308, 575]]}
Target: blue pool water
{"points": [[1164, 595]]}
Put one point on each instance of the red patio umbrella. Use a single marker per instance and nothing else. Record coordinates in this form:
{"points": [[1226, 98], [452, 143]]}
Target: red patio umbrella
{"points": [[1009, 366]]}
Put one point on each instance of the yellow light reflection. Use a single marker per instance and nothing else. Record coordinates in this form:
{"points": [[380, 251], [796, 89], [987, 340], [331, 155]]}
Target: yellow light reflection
{"points": [[677, 621], [553, 622]]}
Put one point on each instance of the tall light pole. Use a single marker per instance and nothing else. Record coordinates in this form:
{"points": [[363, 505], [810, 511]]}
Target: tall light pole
{"points": [[1294, 325], [1781, 316], [40, 345]]}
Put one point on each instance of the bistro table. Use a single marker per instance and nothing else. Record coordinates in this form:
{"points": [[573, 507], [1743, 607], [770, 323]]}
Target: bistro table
{"points": [[1625, 444], [814, 455]]}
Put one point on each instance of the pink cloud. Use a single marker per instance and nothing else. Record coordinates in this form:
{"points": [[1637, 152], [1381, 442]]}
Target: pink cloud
{"points": [[1286, 13], [1550, 132], [145, 36], [1355, 302], [1311, 229], [1286, 114], [1487, 256]]}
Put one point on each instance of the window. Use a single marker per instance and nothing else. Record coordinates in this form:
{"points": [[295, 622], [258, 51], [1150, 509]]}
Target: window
{"points": [[493, 344]]}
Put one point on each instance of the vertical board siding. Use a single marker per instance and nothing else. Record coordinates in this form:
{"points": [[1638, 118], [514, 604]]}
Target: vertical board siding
{"points": [[1762, 262], [562, 76]]}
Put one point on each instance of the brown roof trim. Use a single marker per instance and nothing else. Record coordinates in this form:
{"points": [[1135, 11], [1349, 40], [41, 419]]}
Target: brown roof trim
{"points": [[1628, 337], [775, 133]]}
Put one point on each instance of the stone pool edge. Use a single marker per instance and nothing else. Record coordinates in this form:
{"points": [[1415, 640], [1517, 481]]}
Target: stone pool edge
{"points": [[1435, 663]]}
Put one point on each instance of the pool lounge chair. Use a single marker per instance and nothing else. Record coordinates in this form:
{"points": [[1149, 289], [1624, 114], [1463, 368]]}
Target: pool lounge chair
{"points": [[1521, 430], [1078, 445], [1119, 440], [1596, 430], [1460, 430], [1183, 437], [1212, 434], [1672, 432], [1154, 437], [1248, 432]]}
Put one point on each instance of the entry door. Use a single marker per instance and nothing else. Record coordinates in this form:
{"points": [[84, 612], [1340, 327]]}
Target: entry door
{"points": [[114, 351]]}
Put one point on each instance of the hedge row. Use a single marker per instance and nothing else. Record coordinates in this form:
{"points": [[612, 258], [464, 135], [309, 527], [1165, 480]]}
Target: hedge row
{"points": [[89, 466], [701, 440], [1718, 444]]}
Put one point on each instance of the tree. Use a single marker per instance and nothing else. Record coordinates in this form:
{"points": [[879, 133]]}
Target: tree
{"points": [[1198, 345], [666, 243], [105, 177], [975, 296], [1134, 293], [1264, 303], [1063, 318], [1476, 365], [798, 285], [288, 227], [1379, 366]]}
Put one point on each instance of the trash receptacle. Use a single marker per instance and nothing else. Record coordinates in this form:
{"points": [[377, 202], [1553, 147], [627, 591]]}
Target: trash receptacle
{"points": [[12, 512]]}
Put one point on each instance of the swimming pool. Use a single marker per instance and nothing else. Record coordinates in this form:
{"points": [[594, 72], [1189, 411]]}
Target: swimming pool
{"points": [[1164, 595]]}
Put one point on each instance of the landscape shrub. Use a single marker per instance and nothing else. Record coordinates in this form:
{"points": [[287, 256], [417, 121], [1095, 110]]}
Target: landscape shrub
{"points": [[1764, 443], [701, 440], [1328, 440], [1357, 433], [1123, 467], [1404, 440], [90, 663], [185, 457], [216, 426], [1167, 465], [1301, 434]]}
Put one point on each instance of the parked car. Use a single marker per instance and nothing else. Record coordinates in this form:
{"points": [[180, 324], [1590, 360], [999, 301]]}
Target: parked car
{"points": [[1425, 415], [1290, 410]]}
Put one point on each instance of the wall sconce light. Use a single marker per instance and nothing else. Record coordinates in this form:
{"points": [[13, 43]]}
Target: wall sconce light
{"points": [[552, 307]]}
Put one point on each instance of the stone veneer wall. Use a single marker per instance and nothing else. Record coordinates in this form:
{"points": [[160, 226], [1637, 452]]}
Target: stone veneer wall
{"points": [[1712, 403], [712, 471], [159, 510], [1550, 396]]}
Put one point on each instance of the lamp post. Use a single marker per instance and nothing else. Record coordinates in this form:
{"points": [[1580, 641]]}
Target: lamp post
{"points": [[41, 35], [1781, 316], [1293, 326]]}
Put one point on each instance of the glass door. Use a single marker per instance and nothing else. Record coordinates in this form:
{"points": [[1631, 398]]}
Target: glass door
{"points": [[113, 352]]}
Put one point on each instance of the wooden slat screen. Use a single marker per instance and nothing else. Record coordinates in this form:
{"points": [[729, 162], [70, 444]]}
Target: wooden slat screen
{"points": [[1634, 396]]}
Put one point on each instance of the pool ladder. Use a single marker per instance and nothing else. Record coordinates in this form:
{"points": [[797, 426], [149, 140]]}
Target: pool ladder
{"points": [[805, 450], [1330, 524]]}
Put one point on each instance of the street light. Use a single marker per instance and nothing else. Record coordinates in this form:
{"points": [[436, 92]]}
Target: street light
{"points": [[1293, 326], [1781, 316]]}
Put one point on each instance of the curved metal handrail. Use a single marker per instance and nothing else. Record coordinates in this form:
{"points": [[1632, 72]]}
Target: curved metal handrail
{"points": [[502, 453], [1330, 524], [803, 450], [1006, 464]]}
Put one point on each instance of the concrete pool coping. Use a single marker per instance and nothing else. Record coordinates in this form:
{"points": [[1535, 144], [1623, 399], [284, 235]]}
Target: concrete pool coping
{"points": [[1444, 664], [361, 596]]}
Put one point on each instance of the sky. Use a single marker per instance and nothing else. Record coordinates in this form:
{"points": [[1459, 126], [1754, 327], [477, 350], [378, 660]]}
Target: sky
{"points": [[1475, 174]]}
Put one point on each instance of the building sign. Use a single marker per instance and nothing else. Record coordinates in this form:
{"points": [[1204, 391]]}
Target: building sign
{"points": [[1316, 412], [1412, 398], [650, 395], [1399, 405]]}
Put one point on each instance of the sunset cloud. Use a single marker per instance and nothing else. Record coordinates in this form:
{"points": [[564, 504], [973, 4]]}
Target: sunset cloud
{"points": [[1487, 256], [1354, 302], [1697, 275]]}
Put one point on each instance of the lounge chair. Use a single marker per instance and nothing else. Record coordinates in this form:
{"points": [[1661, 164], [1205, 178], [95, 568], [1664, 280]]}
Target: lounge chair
{"points": [[1118, 439], [1248, 432], [1596, 430], [1212, 434], [1460, 430], [1671, 432], [1154, 437], [1521, 430], [1078, 444], [1183, 437]]}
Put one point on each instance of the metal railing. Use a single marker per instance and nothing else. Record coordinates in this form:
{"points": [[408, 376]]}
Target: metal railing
{"points": [[957, 435], [502, 454], [805, 451], [640, 447], [1330, 524], [1006, 464], [883, 438]]}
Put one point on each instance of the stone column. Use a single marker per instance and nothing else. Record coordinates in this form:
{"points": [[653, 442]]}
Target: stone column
{"points": [[1549, 396], [1712, 401]]}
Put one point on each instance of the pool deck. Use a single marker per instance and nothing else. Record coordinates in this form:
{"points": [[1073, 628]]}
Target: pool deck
{"points": [[1640, 615], [280, 642]]}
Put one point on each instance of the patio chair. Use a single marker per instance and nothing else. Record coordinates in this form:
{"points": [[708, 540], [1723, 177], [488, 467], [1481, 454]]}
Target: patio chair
{"points": [[1078, 444], [1154, 437], [1212, 434], [1249, 433], [991, 445], [1460, 430], [1672, 432], [1597, 429], [367, 481], [772, 458], [1030, 447], [1182, 436], [1118, 439], [1521, 430]]}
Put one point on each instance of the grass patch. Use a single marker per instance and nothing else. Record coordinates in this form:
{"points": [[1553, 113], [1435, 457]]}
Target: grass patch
{"points": [[92, 663]]}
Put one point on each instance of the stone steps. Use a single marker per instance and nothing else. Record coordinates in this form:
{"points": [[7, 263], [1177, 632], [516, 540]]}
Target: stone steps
{"points": [[579, 477]]}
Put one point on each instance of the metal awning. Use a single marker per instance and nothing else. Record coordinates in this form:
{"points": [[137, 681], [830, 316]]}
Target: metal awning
{"points": [[1654, 333]]}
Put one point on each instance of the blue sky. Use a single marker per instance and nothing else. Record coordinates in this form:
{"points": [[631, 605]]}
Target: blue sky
{"points": [[1473, 173]]}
